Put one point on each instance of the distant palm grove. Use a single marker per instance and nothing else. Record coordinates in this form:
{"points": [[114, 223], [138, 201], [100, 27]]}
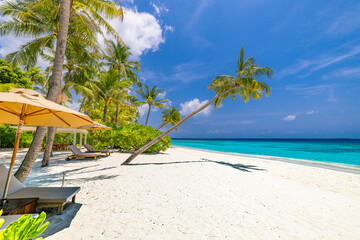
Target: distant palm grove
{"points": [[99, 75]]}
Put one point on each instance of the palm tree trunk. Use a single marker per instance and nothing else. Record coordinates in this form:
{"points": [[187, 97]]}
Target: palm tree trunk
{"points": [[49, 145], [54, 89], [117, 115], [146, 146], [51, 133], [105, 112], [161, 125], [147, 118], [68, 139], [82, 104], [117, 105]]}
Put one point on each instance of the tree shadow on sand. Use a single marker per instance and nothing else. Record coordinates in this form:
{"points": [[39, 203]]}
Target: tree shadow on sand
{"points": [[237, 166]]}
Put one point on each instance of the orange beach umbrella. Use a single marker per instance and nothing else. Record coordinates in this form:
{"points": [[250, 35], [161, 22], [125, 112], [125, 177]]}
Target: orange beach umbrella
{"points": [[27, 107], [95, 126]]}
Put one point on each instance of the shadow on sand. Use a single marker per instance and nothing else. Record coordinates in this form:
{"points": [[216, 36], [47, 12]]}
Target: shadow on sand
{"points": [[237, 166], [59, 222]]}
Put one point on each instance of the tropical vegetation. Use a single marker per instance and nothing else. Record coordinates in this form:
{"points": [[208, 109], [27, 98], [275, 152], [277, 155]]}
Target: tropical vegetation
{"points": [[130, 138], [101, 79], [26, 227]]}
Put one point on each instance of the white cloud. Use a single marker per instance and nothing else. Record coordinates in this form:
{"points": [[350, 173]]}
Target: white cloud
{"points": [[324, 60], [199, 10], [289, 118], [162, 95], [346, 22], [312, 112], [141, 31], [159, 8], [143, 109], [169, 28], [344, 72], [304, 90], [190, 106]]}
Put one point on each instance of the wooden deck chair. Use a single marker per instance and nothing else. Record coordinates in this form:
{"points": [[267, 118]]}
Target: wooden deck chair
{"points": [[90, 149], [79, 154]]}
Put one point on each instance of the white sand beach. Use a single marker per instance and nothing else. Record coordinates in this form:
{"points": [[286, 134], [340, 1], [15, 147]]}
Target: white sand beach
{"points": [[193, 194]]}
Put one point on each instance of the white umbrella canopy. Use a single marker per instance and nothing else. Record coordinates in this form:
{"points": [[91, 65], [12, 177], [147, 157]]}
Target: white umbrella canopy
{"points": [[27, 107]]}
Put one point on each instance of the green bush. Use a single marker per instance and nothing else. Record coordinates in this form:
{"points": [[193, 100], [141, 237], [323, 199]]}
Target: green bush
{"points": [[7, 137], [130, 138], [24, 228]]}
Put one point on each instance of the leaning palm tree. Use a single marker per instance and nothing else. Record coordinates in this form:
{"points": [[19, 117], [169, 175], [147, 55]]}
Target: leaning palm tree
{"points": [[170, 117], [150, 97], [117, 56], [242, 84]]}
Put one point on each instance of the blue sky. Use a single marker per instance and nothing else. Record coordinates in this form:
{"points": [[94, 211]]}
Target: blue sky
{"points": [[313, 47]]}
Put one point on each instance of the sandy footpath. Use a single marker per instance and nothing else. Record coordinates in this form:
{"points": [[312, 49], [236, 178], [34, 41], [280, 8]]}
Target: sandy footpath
{"points": [[194, 194]]}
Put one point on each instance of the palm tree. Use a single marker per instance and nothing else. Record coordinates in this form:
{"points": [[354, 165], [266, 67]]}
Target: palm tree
{"points": [[28, 19], [150, 97], [40, 20], [108, 88], [170, 116], [75, 63], [54, 90], [117, 57], [242, 84]]}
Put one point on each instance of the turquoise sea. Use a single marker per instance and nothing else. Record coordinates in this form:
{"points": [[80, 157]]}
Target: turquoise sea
{"points": [[344, 151]]}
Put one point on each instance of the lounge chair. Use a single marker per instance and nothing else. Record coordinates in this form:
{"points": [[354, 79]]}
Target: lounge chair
{"points": [[90, 149], [48, 196], [79, 154]]}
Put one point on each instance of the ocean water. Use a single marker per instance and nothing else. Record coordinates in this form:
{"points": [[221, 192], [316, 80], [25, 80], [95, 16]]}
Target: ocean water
{"points": [[343, 151]]}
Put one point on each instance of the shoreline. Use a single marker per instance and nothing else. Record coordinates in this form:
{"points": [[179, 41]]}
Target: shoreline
{"points": [[196, 194], [346, 168]]}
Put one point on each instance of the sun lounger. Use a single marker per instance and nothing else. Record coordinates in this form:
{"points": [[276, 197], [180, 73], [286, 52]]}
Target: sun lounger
{"points": [[48, 196], [79, 154], [90, 149]]}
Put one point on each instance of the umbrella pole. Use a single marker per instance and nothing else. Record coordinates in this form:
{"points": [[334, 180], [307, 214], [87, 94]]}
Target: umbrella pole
{"points": [[12, 163], [92, 143]]}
